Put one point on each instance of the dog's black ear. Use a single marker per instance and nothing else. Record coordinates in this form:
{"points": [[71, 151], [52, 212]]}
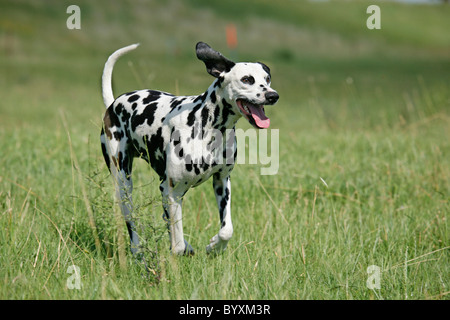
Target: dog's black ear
{"points": [[215, 62]]}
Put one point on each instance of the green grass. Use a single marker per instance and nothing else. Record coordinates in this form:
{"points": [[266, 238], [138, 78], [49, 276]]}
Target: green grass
{"points": [[363, 177]]}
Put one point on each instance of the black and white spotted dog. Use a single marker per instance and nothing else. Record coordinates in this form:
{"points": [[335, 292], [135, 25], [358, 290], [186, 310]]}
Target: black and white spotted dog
{"points": [[178, 136]]}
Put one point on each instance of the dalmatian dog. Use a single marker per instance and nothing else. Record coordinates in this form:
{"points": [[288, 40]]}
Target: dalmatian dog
{"points": [[186, 139]]}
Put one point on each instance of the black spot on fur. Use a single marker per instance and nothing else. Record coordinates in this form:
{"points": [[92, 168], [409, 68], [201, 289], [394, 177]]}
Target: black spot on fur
{"points": [[152, 96], [191, 115], [188, 164], [218, 82], [216, 115], [148, 114], [205, 114], [156, 143], [119, 108], [223, 203], [227, 111], [125, 116], [118, 135], [176, 102], [213, 97], [105, 154], [201, 98], [133, 98]]}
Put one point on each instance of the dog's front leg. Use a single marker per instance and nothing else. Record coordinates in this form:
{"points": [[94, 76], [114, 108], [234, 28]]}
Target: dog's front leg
{"points": [[222, 190], [172, 202]]}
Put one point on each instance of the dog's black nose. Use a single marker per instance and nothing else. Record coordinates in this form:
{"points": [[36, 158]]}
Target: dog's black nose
{"points": [[272, 97]]}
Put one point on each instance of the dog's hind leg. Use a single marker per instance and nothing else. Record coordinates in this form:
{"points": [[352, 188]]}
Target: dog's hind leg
{"points": [[124, 189], [120, 165], [222, 190]]}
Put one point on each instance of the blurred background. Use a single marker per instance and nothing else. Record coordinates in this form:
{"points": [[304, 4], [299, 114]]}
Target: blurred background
{"points": [[325, 62]]}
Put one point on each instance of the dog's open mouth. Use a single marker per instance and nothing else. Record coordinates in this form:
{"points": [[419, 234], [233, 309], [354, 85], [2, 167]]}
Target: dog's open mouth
{"points": [[254, 113]]}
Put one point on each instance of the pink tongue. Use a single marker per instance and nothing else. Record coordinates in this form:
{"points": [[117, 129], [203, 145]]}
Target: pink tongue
{"points": [[260, 118]]}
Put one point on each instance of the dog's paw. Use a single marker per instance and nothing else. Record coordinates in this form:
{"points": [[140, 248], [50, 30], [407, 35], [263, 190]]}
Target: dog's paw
{"points": [[216, 245], [188, 250], [183, 249]]}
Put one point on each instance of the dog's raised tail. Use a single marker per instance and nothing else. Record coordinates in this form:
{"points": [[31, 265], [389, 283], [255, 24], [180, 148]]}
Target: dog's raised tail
{"points": [[108, 96]]}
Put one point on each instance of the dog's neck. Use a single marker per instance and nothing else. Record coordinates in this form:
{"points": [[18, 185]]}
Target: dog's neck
{"points": [[221, 114]]}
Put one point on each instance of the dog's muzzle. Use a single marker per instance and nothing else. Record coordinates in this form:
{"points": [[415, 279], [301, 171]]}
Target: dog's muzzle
{"points": [[255, 113]]}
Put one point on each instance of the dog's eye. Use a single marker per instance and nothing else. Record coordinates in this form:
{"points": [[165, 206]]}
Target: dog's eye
{"points": [[268, 80], [248, 80]]}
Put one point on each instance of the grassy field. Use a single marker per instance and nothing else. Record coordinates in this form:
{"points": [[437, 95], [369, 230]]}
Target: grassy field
{"points": [[364, 169]]}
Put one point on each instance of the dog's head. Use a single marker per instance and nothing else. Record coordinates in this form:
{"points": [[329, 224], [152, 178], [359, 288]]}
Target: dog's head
{"points": [[246, 84]]}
